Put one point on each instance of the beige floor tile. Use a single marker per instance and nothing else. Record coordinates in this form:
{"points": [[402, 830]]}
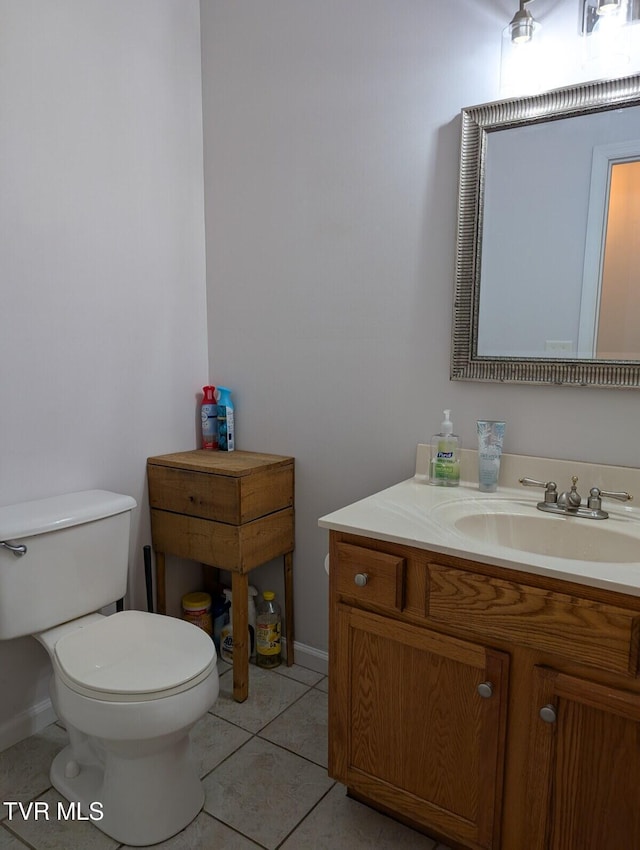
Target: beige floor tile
{"points": [[204, 833], [300, 674], [60, 834], [302, 728], [264, 791], [213, 739], [323, 684], [24, 768], [9, 841], [341, 823], [269, 695]]}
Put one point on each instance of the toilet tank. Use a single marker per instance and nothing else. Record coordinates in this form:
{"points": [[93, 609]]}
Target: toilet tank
{"points": [[76, 559]]}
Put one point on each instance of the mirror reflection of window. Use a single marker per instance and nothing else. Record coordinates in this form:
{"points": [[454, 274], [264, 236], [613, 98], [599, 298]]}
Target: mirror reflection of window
{"points": [[619, 316]]}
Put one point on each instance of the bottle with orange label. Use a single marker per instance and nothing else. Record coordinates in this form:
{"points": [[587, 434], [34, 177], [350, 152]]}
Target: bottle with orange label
{"points": [[209, 417]]}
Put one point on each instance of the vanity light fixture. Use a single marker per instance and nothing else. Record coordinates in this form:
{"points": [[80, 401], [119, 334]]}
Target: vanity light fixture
{"points": [[608, 7], [522, 66], [522, 24], [594, 14]]}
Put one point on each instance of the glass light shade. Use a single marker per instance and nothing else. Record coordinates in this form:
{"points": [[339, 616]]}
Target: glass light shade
{"points": [[607, 48], [523, 69]]}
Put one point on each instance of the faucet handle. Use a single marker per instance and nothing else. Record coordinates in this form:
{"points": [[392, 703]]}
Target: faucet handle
{"points": [[550, 488], [595, 497], [532, 482]]}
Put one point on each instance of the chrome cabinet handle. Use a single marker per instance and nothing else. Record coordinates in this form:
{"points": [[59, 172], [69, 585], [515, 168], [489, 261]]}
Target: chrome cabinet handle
{"points": [[361, 579], [548, 713], [18, 549], [485, 689]]}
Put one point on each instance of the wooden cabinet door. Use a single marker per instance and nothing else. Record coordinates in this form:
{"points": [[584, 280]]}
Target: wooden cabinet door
{"points": [[584, 767], [409, 729]]}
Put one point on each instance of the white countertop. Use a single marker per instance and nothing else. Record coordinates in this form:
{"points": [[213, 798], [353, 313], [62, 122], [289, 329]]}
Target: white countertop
{"points": [[407, 513]]}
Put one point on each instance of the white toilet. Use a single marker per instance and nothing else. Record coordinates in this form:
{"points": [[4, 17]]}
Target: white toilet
{"points": [[128, 687]]}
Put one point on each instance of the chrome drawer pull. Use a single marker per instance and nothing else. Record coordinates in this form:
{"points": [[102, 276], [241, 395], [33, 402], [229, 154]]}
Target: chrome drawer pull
{"points": [[485, 689], [361, 579], [548, 713]]}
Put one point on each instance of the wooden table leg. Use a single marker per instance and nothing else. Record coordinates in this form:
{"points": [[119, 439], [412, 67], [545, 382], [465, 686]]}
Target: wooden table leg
{"points": [[240, 591], [161, 596], [288, 605]]}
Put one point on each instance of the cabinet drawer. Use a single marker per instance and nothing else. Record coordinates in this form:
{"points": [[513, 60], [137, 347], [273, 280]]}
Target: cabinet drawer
{"points": [[384, 576], [595, 633], [232, 547], [223, 498]]}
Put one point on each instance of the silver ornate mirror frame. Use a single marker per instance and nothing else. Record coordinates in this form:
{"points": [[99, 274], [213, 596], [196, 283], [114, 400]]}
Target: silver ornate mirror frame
{"points": [[477, 123]]}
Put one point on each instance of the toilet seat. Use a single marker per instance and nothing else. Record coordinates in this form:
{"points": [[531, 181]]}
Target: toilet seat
{"points": [[133, 656]]}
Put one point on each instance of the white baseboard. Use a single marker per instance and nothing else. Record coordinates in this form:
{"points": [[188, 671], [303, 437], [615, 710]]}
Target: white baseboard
{"points": [[27, 723], [309, 656]]}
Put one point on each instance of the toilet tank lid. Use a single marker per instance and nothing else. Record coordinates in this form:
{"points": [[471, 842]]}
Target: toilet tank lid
{"points": [[27, 519]]}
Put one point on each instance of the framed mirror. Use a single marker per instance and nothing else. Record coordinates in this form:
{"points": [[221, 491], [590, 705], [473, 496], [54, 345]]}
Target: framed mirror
{"points": [[547, 284]]}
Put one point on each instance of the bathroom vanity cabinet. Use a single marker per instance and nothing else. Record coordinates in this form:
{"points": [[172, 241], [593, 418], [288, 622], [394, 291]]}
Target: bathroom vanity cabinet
{"points": [[489, 707]]}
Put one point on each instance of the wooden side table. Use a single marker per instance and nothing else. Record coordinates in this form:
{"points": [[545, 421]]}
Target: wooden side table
{"points": [[232, 510]]}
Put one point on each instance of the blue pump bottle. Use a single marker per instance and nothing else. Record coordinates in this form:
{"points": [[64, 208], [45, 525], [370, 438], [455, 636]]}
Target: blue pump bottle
{"points": [[226, 424]]}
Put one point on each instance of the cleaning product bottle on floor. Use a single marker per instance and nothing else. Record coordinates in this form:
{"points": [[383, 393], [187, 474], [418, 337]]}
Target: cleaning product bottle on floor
{"points": [[226, 632], [226, 425], [219, 612], [268, 631]]}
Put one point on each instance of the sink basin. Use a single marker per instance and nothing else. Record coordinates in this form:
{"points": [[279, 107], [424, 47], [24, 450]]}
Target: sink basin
{"points": [[522, 527]]}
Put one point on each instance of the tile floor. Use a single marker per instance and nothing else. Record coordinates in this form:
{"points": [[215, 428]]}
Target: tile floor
{"points": [[264, 768]]}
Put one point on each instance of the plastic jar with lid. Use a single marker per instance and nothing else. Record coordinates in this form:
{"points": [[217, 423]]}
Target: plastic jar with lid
{"points": [[196, 609]]}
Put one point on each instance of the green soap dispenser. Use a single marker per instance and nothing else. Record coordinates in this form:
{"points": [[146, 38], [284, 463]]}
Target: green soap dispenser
{"points": [[444, 467]]}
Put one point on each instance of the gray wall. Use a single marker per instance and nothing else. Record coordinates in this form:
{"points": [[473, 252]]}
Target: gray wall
{"points": [[331, 159], [102, 269]]}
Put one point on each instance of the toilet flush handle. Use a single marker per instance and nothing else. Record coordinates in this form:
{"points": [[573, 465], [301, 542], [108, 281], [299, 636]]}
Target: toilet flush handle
{"points": [[18, 549]]}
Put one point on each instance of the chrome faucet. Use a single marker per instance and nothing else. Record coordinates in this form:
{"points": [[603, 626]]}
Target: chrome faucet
{"points": [[570, 501]]}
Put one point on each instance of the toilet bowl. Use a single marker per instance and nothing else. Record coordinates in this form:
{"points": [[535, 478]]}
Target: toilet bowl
{"points": [[128, 687]]}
